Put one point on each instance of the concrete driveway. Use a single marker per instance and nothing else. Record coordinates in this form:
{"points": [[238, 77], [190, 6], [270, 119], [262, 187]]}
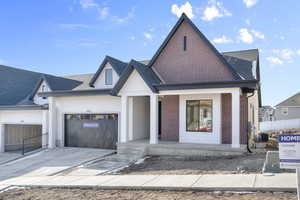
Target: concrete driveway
{"points": [[50, 162], [6, 157]]}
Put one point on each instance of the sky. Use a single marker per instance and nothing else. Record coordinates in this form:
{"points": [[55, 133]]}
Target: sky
{"points": [[67, 37]]}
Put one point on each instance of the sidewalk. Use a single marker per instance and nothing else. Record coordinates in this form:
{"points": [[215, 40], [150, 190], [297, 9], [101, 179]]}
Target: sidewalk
{"points": [[230, 182]]}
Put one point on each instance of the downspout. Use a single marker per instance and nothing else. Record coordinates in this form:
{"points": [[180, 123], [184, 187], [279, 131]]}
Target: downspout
{"points": [[248, 148]]}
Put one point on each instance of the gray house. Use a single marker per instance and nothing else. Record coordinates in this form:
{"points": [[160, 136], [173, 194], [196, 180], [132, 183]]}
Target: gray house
{"points": [[289, 108]]}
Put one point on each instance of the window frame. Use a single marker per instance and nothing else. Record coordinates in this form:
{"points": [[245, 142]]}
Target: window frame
{"points": [[106, 76], [186, 116]]}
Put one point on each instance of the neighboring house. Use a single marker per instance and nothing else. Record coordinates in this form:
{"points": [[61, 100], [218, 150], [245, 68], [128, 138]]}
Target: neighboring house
{"points": [[289, 108], [188, 93], [266, 113]]}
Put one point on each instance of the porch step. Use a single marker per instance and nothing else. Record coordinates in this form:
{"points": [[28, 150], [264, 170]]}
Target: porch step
{"points": [[133, 151]]}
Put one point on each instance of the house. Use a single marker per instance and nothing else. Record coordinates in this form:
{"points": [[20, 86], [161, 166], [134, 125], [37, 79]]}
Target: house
{"points": [[188, 93], [266, 113], [289, 108]]}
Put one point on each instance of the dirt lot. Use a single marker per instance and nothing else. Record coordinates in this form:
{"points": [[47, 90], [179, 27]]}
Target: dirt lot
{"points": [[80, 194], [248, 163]]}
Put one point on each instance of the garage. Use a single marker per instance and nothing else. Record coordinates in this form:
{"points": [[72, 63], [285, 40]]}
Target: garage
{"points": [[91, 130], [16, 135]]}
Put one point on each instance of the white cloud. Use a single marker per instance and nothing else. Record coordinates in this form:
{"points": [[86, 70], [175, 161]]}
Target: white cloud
{"points": [[185, 8], [298, 52], [103, 12], [222, 40], [214, 10], [73, 26], [274, 60], [285, 54], [148, 35], [258, 34], [250, 3], [88, 4], [129, 16], [245, 36]]}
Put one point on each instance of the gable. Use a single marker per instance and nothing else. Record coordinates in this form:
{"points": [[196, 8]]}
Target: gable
{"points": [[199, 63], [135, 85], [100, 81], [42, 88]]}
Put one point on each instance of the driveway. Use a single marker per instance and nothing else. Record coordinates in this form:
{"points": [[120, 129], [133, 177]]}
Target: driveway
{"points": [[6, 157], [50, 162]]}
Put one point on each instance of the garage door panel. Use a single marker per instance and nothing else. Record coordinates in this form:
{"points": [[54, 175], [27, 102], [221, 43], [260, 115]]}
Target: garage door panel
{"points": [[101, 132], [15, 133]]}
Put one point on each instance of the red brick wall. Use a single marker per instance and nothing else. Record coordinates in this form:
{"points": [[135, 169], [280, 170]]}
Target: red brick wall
{"points": [[243, 119], [197, 64], [227, 119], [170, 118]]}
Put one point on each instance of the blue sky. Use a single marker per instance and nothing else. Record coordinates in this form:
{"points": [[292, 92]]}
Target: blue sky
{"points": [[65, 37]]}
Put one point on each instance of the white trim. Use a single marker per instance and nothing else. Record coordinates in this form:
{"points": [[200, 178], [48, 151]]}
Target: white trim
{"points": [[200, 137], [2, 138], [235, 119], [198, 91], [153, 119]]}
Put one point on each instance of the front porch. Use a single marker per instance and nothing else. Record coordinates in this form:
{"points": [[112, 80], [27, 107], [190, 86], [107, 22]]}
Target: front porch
{"points": [[171, 148], [224, 128]]}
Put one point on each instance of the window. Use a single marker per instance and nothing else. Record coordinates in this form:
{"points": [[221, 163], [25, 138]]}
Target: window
{"points": [[108, 77], [284, 111], [199, 115], [184, 43]]}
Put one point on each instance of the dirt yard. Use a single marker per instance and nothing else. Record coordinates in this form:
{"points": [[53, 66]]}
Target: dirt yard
{"points": [[248, 163], [80, 194]]}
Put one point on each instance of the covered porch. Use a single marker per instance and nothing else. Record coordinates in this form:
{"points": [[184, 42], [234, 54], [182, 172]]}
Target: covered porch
{"points": [[165, 119]]}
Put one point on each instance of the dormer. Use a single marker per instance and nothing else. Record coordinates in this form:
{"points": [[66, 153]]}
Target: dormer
{"points": [[108, 73], [42, 86]]}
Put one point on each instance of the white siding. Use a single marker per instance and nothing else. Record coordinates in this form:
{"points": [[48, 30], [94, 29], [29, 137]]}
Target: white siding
{"points": [[39, 100], [21, 117], [83, 105], [135, 85], [100, 82]]}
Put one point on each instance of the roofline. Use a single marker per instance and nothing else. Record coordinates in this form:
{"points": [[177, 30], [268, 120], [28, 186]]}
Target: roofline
{"points": [[24, 107], [278, 105], [64, 93], [240, 50], [206, 85], [101, 67], [172, 32], [125, 75]]}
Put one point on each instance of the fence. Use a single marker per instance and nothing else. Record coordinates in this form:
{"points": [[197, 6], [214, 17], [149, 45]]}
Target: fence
{"points": [[279, 125], [33, 143]]}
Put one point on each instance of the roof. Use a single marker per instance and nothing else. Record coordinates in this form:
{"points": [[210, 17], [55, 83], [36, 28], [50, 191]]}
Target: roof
{"points": [[249, 54], [215, 51], [291, 101], [64, 93], [84, 78], [147, 74], [116, 64], [18, 85]]}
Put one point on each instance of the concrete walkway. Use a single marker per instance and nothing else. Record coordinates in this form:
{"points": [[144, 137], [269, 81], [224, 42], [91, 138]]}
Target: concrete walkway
{"points": [[229, 182]]}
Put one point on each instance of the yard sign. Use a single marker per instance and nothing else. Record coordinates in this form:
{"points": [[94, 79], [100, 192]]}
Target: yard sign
{"points": [[289, 154]]}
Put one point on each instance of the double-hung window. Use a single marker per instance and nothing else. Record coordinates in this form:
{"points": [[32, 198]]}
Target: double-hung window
{"points": [[199, 116]]}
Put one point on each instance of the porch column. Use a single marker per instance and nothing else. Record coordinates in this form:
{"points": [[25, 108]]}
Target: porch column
{"points": [[235, 118], [2, 138], [124, 119], [154, 119], [52, 123], [45, 129]]}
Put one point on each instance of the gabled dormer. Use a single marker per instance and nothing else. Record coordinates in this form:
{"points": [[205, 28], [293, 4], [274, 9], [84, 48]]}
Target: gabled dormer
{"points": [[186, 56], [41, 86], [108, 73]]}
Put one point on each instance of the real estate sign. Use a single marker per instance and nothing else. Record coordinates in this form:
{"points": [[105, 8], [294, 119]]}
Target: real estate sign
{"points": [[289, 151]]}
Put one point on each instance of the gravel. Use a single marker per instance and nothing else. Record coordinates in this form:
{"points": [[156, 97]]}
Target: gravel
{"points": [[248, 163], [93, 194]]}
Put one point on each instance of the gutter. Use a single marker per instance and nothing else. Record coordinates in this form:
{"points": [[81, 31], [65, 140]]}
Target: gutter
{"points": [[24, 107], [63, 93]]}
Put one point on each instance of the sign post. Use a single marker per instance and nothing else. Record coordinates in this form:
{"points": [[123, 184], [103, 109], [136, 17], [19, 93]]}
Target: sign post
{"points": [[289, 154]]}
